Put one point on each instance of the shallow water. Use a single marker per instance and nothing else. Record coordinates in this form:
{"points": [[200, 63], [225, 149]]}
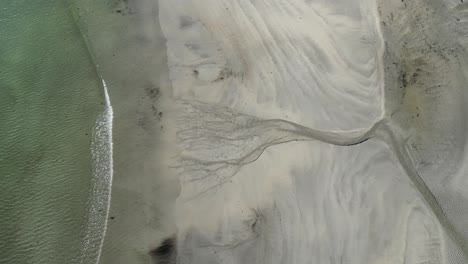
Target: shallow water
{"points": [[244, 132], [50, 98]]}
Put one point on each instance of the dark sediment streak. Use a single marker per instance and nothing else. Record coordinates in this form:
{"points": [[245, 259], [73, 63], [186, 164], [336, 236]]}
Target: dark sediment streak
{"points": [[165, 253]]}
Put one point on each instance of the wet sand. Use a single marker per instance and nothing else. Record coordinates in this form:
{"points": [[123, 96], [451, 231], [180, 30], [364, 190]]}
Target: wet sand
{"points": [[131, 55]]}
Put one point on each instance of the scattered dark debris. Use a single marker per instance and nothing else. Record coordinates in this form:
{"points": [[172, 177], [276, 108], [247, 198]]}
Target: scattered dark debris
{"points": [[193, 47], [153, 92], [143, 122], [403, 80], [425, 163], [254, 224], [224, 74], [124, 11], [442, 52], [121, 7], [186, 21], [414, 78]]}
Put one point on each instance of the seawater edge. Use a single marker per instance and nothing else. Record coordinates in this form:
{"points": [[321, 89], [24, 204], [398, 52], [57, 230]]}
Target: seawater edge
{"points": [[102, 168], [101, 184]]}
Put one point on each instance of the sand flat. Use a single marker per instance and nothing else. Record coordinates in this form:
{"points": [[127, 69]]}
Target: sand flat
{"points": [[252, 69]]}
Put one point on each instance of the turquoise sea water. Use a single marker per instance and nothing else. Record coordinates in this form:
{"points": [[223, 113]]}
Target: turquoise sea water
{"points": [[51, 97]]}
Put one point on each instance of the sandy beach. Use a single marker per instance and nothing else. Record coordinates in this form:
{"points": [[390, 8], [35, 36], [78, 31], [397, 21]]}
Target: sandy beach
{"points": [[285, 131]]}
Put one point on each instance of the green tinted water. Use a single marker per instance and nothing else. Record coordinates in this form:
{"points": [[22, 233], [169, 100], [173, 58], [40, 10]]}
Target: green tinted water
{"points": [[50, 96]]}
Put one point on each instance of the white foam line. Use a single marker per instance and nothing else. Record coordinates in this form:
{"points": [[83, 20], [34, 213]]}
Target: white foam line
{"points": [[109, 112]]}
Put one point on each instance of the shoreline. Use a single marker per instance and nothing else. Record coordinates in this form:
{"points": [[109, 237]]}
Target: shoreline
{"points": [[132, 61]]}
